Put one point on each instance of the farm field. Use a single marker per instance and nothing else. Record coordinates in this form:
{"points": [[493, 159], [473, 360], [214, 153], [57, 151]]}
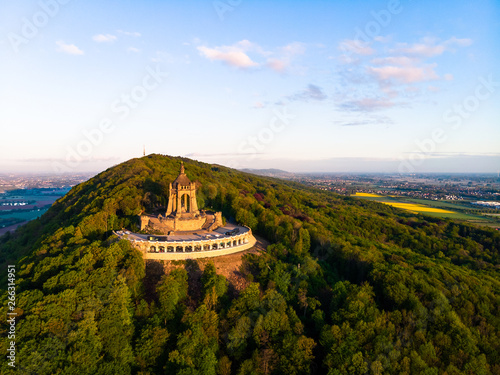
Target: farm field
{"points": [[439, 204], [24, 215], [35, 206], [431, 208], [418, 207]]}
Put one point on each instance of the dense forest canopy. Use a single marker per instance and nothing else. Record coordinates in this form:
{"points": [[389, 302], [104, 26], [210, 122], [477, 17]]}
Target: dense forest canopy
{"points": [[347, 286]]}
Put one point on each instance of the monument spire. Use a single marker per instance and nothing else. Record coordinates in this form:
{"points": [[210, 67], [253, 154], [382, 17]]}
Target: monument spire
{"points": [[182, 167]]}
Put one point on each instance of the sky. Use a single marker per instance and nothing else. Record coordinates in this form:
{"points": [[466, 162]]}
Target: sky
{"points": [[316, 86]]}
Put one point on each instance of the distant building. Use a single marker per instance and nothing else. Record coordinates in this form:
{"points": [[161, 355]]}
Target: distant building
{"points": [[490, 204]]}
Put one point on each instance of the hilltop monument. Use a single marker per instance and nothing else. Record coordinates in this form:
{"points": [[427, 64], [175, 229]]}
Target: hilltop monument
{"points": [[182, 197], [183, 231], [182, 212]]}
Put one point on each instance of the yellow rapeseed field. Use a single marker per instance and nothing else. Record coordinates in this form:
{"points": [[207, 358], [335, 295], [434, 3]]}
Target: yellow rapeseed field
{"points": [[417, 207], [367, 195], [413, 207]]}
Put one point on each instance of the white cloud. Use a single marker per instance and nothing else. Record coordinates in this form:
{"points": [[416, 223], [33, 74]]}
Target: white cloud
{"points": [[245, 54], [133, 50], [248, 46], [376, 80], [235, 55], [408, 68], [70, 49], [394, 60], [383, 39], [277, 65], [368, 104], [458, 42], [292, 49], [408, 74], [422, 50], [357, 47], [368, 119], [104, 38], [282, 60], [429, 48]]}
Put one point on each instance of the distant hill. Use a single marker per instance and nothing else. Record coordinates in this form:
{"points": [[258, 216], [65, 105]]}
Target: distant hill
{"points": [[271, 172], [347, 286]]}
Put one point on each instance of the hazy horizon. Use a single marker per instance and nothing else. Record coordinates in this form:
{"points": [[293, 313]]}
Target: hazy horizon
{"points": [[457, 165]]}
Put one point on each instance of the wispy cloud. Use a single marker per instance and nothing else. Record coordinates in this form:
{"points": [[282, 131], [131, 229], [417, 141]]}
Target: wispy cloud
{"points": [[104, 38], [70, 49], [311, 92], [428, 47], [282, 58], [277, 65], [357, 47], [368, 104], [388, 76], [405, 74], [133, 50], [231, 55], [393, 60], [292, 49], [365, 120], [246, 55], [383, 39]]}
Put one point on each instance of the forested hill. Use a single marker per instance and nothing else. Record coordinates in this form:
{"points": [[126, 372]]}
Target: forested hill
{"points": [[348, 286]]}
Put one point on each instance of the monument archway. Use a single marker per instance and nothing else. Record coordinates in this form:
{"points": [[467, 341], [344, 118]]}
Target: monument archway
{"points": [[185, 203]]}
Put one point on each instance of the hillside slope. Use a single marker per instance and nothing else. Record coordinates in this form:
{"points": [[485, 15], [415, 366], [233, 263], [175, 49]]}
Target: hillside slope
{"points": [[348, 286]]}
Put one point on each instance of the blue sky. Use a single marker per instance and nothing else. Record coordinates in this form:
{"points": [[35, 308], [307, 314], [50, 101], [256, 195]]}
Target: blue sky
{"points": [[381, 86]]}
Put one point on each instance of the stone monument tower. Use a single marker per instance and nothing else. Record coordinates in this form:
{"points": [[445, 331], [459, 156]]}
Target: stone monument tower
{"points": [[182, 197], [182, 211]]}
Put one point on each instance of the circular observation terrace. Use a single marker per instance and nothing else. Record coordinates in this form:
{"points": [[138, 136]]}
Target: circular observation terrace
{"points": [[225, 240]]}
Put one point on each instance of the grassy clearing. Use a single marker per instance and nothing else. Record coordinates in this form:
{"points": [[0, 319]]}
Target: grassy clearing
{"points": [[439, 204]]}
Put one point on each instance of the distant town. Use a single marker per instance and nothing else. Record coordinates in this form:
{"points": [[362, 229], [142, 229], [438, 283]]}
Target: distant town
{"points": [[13, 181], [473, 198], [27, 197], [425, 186]]}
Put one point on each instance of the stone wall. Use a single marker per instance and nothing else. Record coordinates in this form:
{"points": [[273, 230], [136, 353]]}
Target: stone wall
{"points": [[166, 224], [195, 249], [201, 254]]}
